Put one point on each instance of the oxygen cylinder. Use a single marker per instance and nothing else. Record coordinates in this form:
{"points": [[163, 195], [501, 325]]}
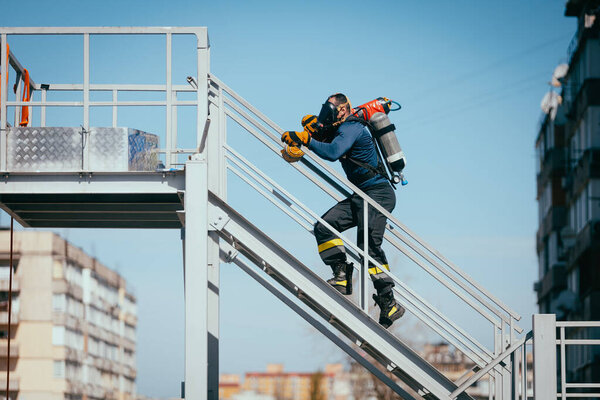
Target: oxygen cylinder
{"points": [[367, 110], [388, 142]]}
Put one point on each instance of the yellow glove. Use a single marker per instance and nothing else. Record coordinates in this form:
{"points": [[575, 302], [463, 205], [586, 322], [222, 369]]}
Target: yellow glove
{"points": [[291, 154], [292, 138], [309, 123]]}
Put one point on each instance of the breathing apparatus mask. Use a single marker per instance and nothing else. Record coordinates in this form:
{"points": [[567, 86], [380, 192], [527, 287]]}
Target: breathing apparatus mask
{"points": [[328, 117]]}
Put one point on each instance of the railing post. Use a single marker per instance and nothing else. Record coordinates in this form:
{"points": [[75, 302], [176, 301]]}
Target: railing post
{"points": [[114, 107], [196, 260], [18, 92], [364, 287], [514, 381], [544, 356], [43, 110], [3, 99], [563, 365], [497, 375], [169, 100], [85, 165], [213, 152]]}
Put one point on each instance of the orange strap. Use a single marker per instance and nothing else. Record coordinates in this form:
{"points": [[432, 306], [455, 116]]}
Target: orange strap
{"points": [[26, 97]]}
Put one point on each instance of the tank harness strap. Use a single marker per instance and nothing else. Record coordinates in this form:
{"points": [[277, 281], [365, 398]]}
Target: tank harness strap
{"points": [[371, 170], [385, 130]]}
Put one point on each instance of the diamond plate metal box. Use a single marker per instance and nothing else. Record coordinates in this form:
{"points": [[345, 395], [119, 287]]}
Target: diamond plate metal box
{"points": [[66, 149]]}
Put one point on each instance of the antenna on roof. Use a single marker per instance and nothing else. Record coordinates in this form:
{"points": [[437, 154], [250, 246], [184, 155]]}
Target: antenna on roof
{"points": [[550, 103], [559, 73]]}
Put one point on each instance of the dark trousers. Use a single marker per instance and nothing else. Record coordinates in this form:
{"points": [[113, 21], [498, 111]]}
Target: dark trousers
{"points": [[347, 214]]}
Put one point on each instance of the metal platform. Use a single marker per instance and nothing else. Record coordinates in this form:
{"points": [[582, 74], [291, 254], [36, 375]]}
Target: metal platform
{"points": [[94, 200]]}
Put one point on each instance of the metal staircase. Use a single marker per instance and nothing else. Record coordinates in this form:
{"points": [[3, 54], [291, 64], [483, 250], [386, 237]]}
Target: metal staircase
{"points": [[195, 200], [411, 368], [241, 236]]}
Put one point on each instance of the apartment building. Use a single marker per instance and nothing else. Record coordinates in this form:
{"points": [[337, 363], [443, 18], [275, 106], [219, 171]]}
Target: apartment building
{"points": [[454, 364], [332, 384], [568, 187], [73, 323], [229, 386]]}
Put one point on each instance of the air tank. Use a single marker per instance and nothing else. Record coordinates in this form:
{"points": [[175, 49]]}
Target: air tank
{"points": [[388, 142]]}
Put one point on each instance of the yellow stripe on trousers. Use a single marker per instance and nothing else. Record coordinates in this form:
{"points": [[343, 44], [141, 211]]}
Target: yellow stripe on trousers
{"points": [[377, 270], [330, 244]]}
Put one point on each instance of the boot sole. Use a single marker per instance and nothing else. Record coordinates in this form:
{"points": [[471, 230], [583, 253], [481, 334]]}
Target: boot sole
{"points": [[387, 322]]}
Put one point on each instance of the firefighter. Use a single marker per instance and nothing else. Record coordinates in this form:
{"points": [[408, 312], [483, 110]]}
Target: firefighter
{"points": [[345, 138]]}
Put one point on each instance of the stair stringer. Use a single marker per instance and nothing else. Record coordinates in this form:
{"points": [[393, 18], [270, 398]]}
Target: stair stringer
{"points": [[335, 308]]}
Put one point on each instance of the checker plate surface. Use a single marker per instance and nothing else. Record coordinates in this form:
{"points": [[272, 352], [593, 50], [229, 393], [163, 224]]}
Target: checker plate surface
{"points": [[62, 149]]}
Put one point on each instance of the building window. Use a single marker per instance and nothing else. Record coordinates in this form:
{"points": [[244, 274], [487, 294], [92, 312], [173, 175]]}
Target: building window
{"points": [[59, 302], [59, 369], [58, 335], [573, 280], [581, 210]]}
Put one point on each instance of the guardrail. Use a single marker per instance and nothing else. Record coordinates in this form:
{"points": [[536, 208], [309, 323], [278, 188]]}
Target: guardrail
{"points": [[501, 317], [170, 102], [579, 341]]}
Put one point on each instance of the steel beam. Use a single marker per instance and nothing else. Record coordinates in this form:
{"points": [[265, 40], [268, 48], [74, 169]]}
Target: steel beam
{"points": [[196, 280], [215, 183]]}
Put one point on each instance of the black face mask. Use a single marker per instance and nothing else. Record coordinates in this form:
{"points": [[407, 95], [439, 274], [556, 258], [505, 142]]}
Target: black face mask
{"points": [[328, 115]]}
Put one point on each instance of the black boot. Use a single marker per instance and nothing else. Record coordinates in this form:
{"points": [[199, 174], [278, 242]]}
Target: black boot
{"points": [[342, 277], [390, 310]]}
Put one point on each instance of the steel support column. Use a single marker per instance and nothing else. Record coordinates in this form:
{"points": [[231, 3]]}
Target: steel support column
{"points": [[213, 151], [196, 279], [544, 356]]}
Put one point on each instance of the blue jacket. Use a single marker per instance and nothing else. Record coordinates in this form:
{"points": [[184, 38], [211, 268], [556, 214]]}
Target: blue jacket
{"points": [[353, 140]]}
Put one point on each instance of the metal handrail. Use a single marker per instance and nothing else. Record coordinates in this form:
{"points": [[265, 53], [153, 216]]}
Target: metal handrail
{"points": [[275, 149], [170, 102], [275, 138], [465, 342], [279, 193], [478, 375], [562, 342], [241, 112]]}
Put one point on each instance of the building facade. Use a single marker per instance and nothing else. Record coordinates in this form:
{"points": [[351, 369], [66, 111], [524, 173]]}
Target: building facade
{"points": [[331, 384], [455, 365], [73, 323], [568, 188]]}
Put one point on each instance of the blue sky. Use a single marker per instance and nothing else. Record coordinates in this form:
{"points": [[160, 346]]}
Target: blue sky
{"points": [[469, 74]]}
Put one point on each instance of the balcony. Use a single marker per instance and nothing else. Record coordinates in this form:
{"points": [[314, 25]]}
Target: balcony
{"points": [[71, 322], [553, 221], [555, 279], [4, 283], [75, 355], [130, 319], [128, 371], [587, 238], [13, 384], [588, 94], [14, 319], [588, 167], [62, 286], [74, 387], [554, 165], [128, 344], [14, 349]]}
